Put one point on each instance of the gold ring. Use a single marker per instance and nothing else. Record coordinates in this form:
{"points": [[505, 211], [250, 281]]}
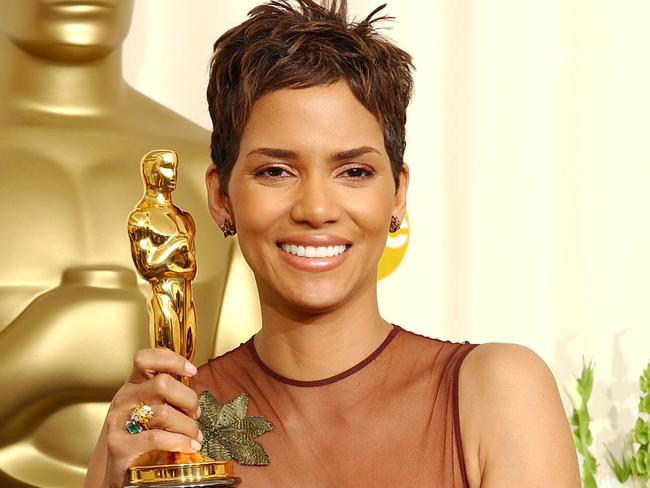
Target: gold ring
{"points": [[141, 414]]}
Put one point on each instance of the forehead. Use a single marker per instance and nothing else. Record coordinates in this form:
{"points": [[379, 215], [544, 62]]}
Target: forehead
{"points": [[327, 117]]}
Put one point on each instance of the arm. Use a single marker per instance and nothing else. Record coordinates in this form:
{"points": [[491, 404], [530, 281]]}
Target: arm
{"points": [[159, 257], [152, 251], [513, 425]]}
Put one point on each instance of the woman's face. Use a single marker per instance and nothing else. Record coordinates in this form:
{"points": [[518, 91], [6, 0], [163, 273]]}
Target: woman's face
{"points": [[311, 195]]}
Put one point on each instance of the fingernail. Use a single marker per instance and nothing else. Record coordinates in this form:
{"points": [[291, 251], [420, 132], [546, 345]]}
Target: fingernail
{"points": [[198, 412], [200, 436], [195, 445], [190, 368]]}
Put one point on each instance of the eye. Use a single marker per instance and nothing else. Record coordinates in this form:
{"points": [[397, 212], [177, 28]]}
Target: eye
{"points": [[357, 172], [167, 172], [273, 172]]}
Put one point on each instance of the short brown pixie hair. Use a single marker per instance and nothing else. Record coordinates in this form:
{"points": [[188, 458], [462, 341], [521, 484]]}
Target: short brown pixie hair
{"points": [[299, 44]]}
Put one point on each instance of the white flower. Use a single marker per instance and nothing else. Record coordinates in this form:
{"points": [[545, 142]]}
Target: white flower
{"points": [[571, 389], [612, 482], [609, 482], [628, 445]]}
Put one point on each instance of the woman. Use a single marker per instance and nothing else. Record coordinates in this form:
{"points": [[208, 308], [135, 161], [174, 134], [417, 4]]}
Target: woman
{"points": [[309, 113]]}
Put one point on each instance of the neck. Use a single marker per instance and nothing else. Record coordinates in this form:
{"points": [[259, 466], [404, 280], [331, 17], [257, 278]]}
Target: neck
{"points": [[161, 197], [32, 84], [316, 346]]}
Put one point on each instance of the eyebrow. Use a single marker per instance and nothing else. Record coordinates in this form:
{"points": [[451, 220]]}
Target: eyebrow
{"points": [[273, 152], [354, 153], [339, 156]]}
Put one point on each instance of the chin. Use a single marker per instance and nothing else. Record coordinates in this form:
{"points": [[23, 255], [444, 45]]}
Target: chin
{"points": [[308, 302], [313, 309], [318, 301], [66, 53]]}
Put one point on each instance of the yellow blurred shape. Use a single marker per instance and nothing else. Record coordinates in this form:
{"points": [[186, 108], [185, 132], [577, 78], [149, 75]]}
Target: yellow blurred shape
{"points": [[395, 249]]}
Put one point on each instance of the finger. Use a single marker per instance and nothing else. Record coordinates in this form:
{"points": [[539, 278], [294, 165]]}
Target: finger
{"points": [[125, 448], [168, 418], [167, 441], [149, 362], [157, 390]]}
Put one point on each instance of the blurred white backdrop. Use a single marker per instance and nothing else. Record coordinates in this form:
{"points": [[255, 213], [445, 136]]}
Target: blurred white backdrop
{"points": [[529, 146]]}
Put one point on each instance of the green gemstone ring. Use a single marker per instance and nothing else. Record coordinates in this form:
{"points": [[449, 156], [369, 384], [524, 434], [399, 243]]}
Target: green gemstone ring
{"points": [[141, 414], [133, 427]]}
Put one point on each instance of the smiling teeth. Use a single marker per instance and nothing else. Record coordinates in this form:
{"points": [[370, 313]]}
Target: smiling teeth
{"points": [[313, 252]]}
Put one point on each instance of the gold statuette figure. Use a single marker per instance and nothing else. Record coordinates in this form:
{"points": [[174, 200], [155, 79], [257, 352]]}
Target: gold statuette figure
{"points": [[162, 246]]}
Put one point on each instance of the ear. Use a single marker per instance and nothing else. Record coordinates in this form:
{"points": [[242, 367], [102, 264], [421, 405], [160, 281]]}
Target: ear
{"points": [[218, 201], [400, 194]]}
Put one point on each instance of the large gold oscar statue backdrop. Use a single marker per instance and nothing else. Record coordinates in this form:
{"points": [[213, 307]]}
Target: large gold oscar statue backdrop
{"points": [[72, 311]]}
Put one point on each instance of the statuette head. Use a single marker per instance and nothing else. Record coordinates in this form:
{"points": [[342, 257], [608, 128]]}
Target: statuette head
{"points": [[159, 170], [66, 31]]}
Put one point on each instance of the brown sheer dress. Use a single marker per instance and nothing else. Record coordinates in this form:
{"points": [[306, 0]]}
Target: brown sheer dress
{"points": [[390, 421]]}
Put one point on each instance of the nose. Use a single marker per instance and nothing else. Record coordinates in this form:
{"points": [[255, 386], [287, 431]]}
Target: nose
{"points": [[316, 202]]}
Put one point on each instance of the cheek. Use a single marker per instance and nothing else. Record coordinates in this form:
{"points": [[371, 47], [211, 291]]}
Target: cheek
{"points": [[250, 225], [372, 213], [256, 213]]}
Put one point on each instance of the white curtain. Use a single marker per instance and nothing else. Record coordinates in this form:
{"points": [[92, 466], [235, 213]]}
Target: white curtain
{"points": [[529, 146]]}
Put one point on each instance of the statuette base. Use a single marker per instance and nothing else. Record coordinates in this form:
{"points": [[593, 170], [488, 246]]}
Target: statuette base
{"points": [[186, 475]]}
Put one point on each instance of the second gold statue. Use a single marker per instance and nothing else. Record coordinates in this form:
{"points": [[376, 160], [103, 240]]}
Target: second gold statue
{"points": [[162, 246]]}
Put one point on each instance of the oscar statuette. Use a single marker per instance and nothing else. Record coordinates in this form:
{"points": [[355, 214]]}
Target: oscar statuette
{"points": [[162, 246]]}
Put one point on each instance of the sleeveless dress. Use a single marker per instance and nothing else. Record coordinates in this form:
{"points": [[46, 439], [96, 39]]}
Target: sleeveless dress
{"points": [[390, 421]]}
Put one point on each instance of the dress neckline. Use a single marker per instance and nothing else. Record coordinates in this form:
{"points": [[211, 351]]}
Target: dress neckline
{"points": [[326, 381]]}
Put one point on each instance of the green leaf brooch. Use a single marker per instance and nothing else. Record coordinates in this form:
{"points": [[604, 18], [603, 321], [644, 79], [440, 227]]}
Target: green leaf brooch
{"points": [[229, 434]]}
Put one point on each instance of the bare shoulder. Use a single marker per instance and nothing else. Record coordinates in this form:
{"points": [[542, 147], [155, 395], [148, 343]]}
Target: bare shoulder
{"points": [[514, 428], [495, 365]]}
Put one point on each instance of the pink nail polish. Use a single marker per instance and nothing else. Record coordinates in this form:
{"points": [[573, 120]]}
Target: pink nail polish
{"points": [[190, 369]]}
